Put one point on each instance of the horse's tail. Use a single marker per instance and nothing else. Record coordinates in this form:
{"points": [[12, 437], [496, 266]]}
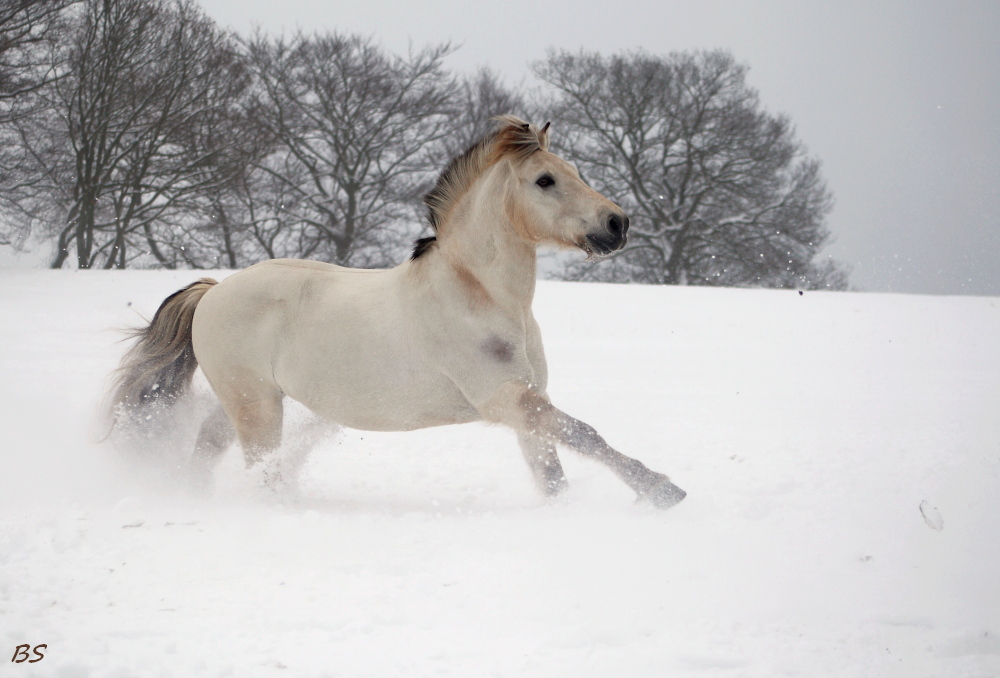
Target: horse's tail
{"points": [[159, 366]]}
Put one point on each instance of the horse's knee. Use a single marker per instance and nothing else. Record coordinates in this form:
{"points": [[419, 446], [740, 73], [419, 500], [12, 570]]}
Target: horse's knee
{"points": [[518, 405]]}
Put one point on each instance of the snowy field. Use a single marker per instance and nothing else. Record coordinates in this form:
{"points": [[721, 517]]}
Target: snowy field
{"points": [[807, 429]]}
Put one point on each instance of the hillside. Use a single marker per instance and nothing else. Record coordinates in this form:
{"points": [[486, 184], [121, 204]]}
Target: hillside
{"points": [[807, 429]]}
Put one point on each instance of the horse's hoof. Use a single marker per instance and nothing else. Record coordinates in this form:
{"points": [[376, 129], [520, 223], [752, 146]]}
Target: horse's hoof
{"points": [[663, 495]]}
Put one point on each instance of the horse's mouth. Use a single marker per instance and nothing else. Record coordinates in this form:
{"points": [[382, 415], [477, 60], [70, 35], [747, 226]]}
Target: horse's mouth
{"points": [[598, 247]]}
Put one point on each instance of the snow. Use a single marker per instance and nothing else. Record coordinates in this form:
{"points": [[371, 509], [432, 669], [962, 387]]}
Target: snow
{"points": [[841, 452]]}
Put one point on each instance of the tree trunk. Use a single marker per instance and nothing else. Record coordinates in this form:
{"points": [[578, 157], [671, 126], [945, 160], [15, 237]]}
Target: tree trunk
{"points": [[227, 238], [154, 249], [345, 244], [676, 273], [85, 231]]}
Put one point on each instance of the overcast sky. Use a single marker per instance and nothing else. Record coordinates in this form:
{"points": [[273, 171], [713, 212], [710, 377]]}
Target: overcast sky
{"points": [[900, 100]]}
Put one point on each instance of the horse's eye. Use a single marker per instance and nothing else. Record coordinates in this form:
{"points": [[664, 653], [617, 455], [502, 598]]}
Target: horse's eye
{"points": [[545, 181]]}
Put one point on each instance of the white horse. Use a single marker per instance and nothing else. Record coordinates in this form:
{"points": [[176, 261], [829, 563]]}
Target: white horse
{"points": [[446, 337]]}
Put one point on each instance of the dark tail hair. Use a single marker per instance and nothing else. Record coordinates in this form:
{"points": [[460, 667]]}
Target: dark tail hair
{"points": [[159, 366]]}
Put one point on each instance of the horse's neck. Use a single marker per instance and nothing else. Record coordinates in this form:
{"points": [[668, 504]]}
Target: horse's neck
{"points": [[481, 240]]}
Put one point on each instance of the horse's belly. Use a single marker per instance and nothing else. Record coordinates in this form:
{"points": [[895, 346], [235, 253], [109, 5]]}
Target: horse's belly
{"points": [[382, 400]]}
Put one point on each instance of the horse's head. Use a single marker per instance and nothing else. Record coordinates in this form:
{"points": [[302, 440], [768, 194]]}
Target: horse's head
{"points": [[547, 201], [544, 198]]}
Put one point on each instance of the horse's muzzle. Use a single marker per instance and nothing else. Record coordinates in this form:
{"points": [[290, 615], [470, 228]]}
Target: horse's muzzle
{"points": [[612, 238]]}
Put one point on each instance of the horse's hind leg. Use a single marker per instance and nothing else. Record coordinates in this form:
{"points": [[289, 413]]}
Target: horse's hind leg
{"points": [[258, 426], [214, 437], [543, 462]]}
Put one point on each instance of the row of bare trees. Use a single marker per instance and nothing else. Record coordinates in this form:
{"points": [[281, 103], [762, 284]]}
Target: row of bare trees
{"points": [[137, 133]]}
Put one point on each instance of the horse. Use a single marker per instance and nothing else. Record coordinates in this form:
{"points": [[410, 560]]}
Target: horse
{"points": [[446, 337]]}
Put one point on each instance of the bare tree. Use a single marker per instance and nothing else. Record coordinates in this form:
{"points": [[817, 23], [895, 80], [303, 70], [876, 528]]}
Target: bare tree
{"points": [[118, 150], [28, 28], [229, 223], [354, 129], [719, 190], [203, 148]]}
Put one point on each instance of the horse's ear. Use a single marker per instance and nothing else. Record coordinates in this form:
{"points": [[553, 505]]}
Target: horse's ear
{"points": [[543, 137]]}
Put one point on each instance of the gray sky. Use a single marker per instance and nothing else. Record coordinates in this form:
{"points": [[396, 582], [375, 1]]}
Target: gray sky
{"points": [[900, 100]]}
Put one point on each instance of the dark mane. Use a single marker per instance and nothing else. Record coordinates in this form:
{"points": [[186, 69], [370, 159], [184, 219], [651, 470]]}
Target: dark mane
{"points": [[440, 196], [422, 246]]}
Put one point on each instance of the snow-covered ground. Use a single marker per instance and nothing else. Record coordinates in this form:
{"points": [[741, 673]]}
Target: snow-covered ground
{"points": [[841, 453]]}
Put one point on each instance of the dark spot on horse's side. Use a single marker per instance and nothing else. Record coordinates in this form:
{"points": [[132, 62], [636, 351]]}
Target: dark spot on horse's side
{"points": [[422, 246], [499, 349]]}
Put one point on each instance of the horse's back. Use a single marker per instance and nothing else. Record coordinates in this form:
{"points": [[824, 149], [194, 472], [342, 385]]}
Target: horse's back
{"points": [[244, 316]]}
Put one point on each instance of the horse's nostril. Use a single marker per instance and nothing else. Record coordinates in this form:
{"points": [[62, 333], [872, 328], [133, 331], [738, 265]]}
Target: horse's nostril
{"points": [[615, 225]]}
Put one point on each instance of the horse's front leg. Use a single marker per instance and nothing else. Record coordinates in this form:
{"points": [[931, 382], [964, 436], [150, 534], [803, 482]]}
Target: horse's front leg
{"points": [[529, 412]]}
